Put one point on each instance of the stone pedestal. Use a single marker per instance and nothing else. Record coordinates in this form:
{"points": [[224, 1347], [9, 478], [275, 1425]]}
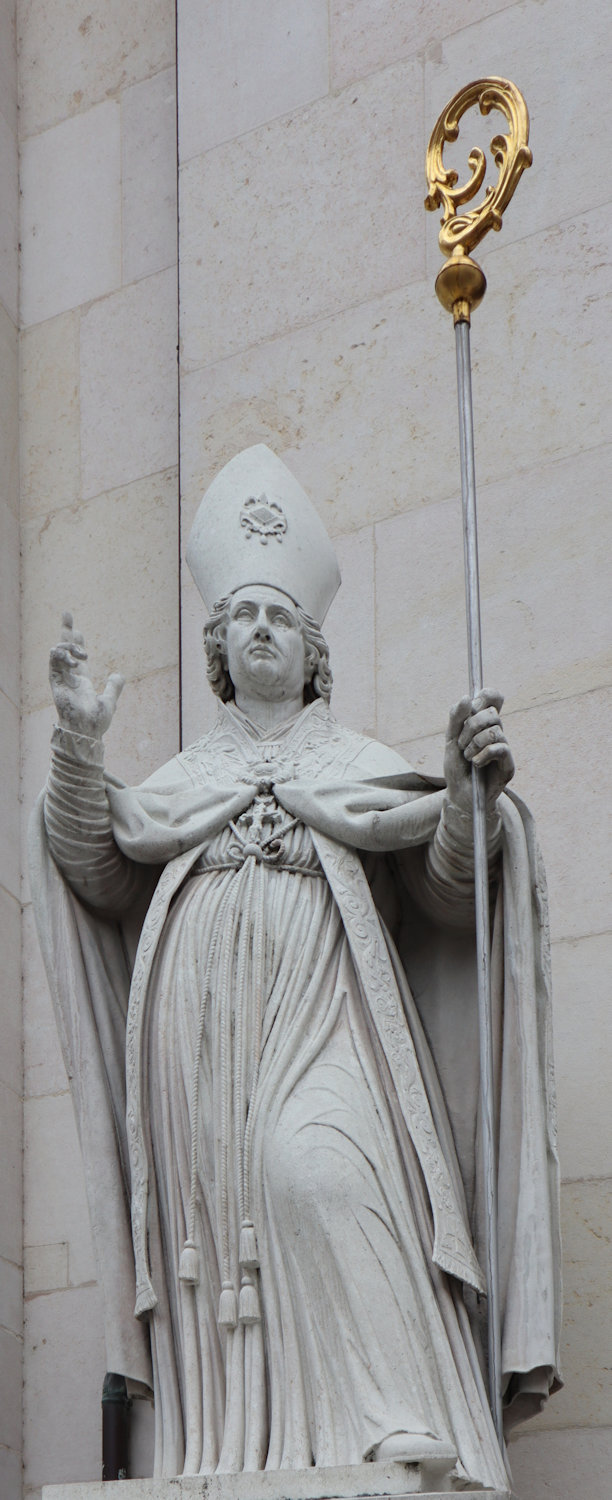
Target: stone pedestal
{"points": [[427, 1478]]}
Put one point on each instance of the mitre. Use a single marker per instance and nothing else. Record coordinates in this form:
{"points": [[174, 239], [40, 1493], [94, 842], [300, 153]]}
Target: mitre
{"points": [[255, 524]]}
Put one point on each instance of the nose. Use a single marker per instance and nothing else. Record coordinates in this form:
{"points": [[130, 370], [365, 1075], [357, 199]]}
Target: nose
{"points": [[262, 627]]}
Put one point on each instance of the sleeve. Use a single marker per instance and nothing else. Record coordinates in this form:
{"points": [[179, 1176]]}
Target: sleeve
{"points": [[440, 873], [79, 827]]}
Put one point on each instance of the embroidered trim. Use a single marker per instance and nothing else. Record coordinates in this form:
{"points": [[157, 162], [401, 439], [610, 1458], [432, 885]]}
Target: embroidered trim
{"points": [[315, 744], [170, 878]]}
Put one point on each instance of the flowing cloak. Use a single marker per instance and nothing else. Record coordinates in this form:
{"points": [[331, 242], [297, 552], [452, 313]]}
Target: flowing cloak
{"points": [[370, 818]]}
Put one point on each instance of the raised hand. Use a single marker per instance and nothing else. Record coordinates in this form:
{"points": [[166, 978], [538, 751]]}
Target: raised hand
{"points": [[78, 705], [476, 736]]}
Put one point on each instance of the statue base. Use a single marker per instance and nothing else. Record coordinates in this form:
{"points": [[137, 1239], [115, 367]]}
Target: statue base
{"points": [[427, 1476]]}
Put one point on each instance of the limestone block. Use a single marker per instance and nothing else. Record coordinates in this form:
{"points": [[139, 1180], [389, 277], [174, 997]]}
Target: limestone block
{"points": [[128, 384], [65, 1367], [586, 1226], [240, 66], [50, 437], [8, 65], [11, 1352], [582, 1023], [348, 403], [536, 376], [9, 786], [546, 608], [273, 231], [425, 754], [198, 704], [349, 630], [44, 1071], [564, 776], [565, 129], [10, 1474], [365, 37], [142, 1437], [148, 122], [72, 59], [331, 400], [303, 1484], [112, 562], [9, 198], [71, 213], [55, 1204], [9, 419], [9, 602], [562, 1465], [10, 1174], [45, 1268], [11, 1298], [35, 738], [10, 991], [145, 731]]}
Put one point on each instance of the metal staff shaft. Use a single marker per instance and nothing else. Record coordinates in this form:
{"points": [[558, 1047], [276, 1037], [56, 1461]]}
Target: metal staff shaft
{"points": [[481, 872], [460, 287]]}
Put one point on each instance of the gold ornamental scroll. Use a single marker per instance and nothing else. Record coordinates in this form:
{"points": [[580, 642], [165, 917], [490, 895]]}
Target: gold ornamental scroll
{"points": [[461, 284]]}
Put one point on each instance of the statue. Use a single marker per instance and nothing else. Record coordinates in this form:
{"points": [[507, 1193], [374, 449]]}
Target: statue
{"points": [[290, 910]]}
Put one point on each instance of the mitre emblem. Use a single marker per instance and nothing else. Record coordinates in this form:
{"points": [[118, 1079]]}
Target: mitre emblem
{"points": [[263, 518]]}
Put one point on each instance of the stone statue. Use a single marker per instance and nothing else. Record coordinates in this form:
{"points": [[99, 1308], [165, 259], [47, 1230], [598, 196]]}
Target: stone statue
{"points": [[289, 909]]}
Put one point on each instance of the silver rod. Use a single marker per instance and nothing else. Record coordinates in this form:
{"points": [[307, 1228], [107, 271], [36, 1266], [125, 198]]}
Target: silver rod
{"points": [[481, 873]]}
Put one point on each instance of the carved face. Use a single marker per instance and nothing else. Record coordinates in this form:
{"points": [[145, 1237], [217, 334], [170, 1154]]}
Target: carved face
{"points": [[265, 645]]}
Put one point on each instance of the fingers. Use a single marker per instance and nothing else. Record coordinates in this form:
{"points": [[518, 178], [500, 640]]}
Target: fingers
{"points": [[70, 651], [62, 662], [460, 715], [475, 723], [490, 738], [114, 687], [457, 717], [487, 699], [499, 753], [496, 763]]}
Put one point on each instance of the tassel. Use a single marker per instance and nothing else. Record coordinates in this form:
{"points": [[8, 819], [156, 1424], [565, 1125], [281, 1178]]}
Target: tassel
{"points": [[250, 1311], [249, 1257], [227, 1316], [189, 1264]]}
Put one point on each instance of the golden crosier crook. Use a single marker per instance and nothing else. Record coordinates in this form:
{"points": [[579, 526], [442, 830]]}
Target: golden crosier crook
{"points": [[461, 284]]}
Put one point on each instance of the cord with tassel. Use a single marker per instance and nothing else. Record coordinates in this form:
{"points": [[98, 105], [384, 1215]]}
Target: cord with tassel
{"points": [[189, 1264]]}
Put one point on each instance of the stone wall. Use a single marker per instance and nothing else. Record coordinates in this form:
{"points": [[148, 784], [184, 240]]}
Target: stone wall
{"points": [[99, 505], [308, 321]]}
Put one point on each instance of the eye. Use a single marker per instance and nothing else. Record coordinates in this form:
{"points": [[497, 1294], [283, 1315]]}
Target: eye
{"points": [[280, 618], [244, 612]]}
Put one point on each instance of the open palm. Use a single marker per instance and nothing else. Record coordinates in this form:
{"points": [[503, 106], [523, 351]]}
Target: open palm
{"points": [[80, 708]]}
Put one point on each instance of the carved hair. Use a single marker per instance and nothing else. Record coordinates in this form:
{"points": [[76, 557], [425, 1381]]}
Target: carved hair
{"points": [[318, 679]]}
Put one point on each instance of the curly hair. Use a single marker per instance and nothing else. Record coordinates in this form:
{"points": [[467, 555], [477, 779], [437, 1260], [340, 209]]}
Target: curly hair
{"points": [[318, 681]]}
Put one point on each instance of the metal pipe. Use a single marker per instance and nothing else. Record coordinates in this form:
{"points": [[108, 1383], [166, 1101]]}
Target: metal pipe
{"points": [[481, 873], [116, 1407]]}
